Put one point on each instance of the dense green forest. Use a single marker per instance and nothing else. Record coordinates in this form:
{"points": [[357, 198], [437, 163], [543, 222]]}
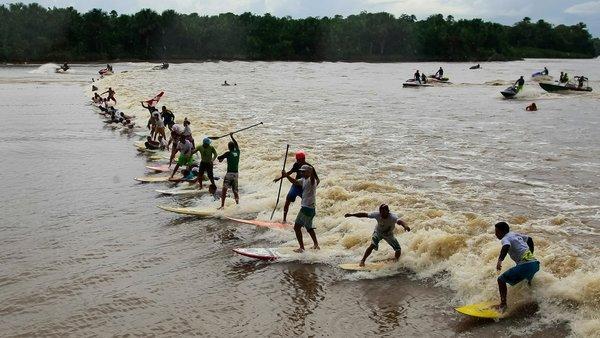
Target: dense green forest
{"points": [[34, 33]]}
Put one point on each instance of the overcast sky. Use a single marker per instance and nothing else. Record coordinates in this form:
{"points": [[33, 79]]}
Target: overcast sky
{"points": [[503, 11]]}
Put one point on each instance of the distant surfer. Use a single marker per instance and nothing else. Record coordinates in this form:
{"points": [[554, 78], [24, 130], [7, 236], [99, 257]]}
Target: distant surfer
{"points": [[231, 178], [111, 95], [295, 190], [225, 83], [386, 223], [208, 154], [519, 84], [520, 249], [439, 74], [185, 149], [308, 183]]}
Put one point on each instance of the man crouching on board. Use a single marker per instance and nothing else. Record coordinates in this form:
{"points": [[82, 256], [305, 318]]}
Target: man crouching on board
{"points": [[308, 182], [386, 222], [520, 249]]}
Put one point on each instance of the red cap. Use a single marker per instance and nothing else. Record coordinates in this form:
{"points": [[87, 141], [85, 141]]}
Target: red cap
{"points": [[300, 155]]}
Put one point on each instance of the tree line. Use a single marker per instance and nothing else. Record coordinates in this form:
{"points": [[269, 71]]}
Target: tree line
{"points": [[34, 33]]}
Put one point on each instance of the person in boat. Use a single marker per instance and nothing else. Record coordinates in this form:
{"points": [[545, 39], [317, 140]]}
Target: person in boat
{"points": [[439, 74], [231, 177], [225, 83], [65, 67], [423, 78], [476, 67], [295, 190], [111, 95], [386, 223], [208, 154], [308, 184], [519, 84], [185, 149], [109, 67], [581, 81], [566, 78], [418, 76], [168, 117], [520, 249], [531, 107], [545, 71]]}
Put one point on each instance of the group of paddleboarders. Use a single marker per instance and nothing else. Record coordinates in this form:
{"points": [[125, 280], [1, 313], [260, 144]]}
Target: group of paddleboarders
{"points": [[304, 183]]}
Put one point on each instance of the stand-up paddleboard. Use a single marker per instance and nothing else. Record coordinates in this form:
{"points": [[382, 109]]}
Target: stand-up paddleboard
{"points": [[265, 254], [481, 310], [154, 179], [188, 211], [260, 223], [181, 192], [288, 254], [369, 266], [161, 168], [153, 101]]}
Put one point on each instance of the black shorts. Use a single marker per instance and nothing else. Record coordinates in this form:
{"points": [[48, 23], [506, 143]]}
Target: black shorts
{"points": [[206, 168]]}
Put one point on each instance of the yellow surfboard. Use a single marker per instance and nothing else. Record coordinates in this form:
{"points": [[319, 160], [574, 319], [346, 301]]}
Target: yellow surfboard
{"points": [[481, 310], [188, 211], [372, 266]]}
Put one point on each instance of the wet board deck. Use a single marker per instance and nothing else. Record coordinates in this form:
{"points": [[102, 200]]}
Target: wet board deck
{"points": [[481, 310], [181, 191], [265, 254], [156, 179], [260, 223], [288, 254], [188, 211], [161, 168], [373, 266]]}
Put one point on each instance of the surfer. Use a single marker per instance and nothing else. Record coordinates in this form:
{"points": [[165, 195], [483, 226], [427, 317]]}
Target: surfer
{"points": [[111, 95], [159, 125], [231, 178], [295, 190], [168, 117], [386, 223], [519, 84], [520, 249], [208, 154], [439, 74], [185, 149], [187, 131], [176, 134], [308, 184]]}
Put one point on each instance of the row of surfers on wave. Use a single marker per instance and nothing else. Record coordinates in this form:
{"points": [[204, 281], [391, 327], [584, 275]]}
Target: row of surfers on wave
{"points": [[304, 179]]}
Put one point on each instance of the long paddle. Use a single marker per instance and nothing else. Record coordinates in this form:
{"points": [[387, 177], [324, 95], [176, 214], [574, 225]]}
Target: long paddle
{"points": [[287, 148], [237, 131]]}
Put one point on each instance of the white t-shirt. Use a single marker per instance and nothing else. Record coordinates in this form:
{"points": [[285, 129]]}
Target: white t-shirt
{"points": [[518, 245], [187, 131], [385, 226], [186, 147], [309, 192]]}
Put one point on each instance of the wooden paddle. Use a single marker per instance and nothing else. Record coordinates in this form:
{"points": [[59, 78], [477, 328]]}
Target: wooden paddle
{"points": [[287, 148], [237, 131]]}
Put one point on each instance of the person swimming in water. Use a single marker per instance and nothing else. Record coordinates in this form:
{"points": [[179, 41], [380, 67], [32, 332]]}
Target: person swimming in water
{"points": [[386, 223], [520, 249], [531, 107]]}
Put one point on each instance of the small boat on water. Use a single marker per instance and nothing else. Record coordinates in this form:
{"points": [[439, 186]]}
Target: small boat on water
{"points": [[411, 83], [561, 87]]}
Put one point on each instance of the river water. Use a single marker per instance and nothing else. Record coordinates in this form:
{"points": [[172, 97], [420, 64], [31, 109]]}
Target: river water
{"points": [[85, 251]]}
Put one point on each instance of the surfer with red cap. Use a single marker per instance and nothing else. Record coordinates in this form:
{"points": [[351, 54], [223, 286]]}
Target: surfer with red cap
{"points": [[295, 190]]}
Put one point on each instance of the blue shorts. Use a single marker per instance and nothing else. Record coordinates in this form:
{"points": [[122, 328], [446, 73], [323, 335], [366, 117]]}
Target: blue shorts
{"points": [[391, 240], [295, 191], [520, 272]]}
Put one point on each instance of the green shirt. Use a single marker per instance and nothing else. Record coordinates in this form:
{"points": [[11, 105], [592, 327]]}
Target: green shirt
{"points": [[233, 160], [208, 154]]}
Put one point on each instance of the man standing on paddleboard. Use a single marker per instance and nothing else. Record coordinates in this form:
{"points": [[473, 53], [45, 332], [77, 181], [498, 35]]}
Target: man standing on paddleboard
{"points": [[308, 183], [185, 149], [208, 154], [520, 249], [295, 190], [231, 178], [386, 223]]}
